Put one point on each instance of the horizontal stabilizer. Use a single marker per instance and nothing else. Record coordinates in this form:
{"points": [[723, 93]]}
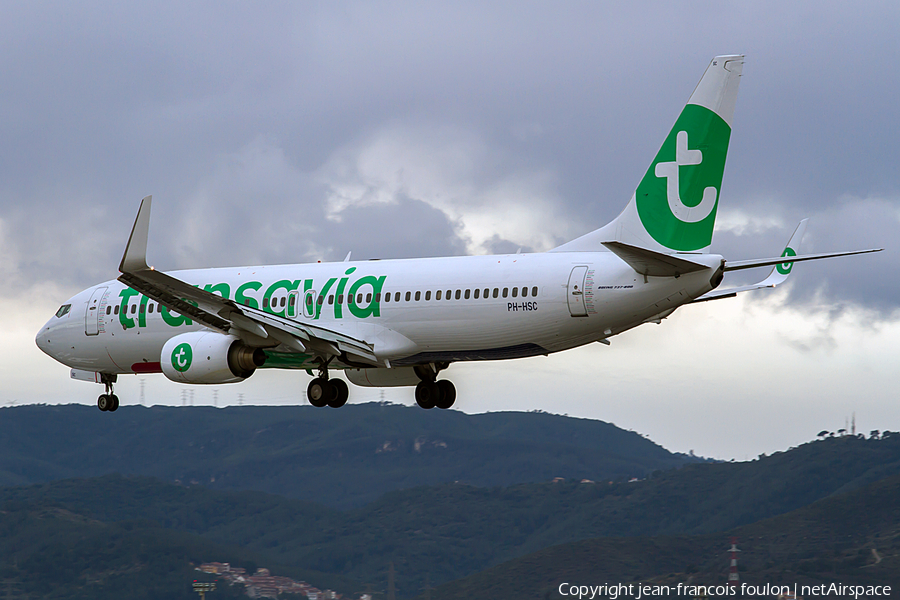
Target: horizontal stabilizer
{"points": [[736, 265], [651, 263]]}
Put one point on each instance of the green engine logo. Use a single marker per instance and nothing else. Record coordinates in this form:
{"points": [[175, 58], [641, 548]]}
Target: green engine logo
{"points": [[785, 268], [181, 357]]}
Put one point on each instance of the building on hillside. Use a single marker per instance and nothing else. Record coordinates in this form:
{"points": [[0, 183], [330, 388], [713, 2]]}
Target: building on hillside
{"points": [[215, 568]]}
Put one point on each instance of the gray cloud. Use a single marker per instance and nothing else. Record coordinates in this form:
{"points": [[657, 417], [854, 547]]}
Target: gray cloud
{"points": [[510, 125]]}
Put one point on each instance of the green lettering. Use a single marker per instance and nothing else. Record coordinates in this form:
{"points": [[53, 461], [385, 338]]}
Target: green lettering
{"points": [[283, 284], [242, 298], [142, 312], [171, 319], [374, 307], [223, 289], [126, 295], [338, 306], [324, 294]]}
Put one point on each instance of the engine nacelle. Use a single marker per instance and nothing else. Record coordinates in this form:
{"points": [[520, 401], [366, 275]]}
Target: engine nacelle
{"points": [[398, 377], [209, 357]]}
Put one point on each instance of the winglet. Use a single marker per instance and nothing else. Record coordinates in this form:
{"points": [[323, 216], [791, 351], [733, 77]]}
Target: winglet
{"points": [[780, 272], [135, 257]]}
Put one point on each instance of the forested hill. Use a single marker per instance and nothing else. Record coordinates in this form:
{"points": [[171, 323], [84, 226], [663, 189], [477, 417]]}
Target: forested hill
{"points": [[435, 534], [340, 458], [850, 538]]}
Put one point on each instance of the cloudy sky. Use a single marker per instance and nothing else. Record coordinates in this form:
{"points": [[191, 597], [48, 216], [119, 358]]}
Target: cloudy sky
{"points": [[290, 132]]}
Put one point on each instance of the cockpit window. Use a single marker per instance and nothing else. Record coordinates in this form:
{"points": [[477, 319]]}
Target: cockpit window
{"points": [[63, 310]]}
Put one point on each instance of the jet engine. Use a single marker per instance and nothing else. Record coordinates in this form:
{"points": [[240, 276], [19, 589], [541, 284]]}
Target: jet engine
{"points": [[209, 357]]}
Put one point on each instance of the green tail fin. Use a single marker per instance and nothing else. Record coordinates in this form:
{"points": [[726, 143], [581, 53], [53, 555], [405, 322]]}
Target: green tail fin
{"points": [[674, 207]]}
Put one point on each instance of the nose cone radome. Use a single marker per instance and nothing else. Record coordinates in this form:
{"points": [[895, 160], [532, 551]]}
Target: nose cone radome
{"points": [[44, 339]]}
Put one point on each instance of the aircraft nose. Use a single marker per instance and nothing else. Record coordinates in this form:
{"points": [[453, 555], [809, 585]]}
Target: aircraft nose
{"points": [[42, 339], [45, 338]]}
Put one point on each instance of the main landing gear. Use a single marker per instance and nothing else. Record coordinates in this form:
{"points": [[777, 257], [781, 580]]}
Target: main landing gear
{"points": [[435, 394], [431, 393], [108, 401], [323, 391]]}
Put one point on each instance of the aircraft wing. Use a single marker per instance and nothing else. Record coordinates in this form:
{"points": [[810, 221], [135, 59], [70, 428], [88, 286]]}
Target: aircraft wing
{"points": [[254, 326]]}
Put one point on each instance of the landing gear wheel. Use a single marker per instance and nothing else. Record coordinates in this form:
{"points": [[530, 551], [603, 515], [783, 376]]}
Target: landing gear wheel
{"points": [[427, 394], [103, 402], [341, 393], [113, 403], [447, 395], [320, 392]]}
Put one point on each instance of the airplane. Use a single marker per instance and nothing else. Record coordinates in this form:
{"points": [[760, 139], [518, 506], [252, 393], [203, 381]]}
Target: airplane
{"points": [[404, 322]]}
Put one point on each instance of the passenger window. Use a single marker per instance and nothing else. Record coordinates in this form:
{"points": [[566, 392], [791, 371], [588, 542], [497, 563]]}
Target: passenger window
{"points": [[397, 297], [265, 303], [477, 291], [534, 291], [368, 298], [449, 294], [487, 293], [340, 299], [524, 292], [331, 299], [378, 296], [515, 292], [418, 296], [436, 297], [458, 294], [496, 292], [427, 296], [407, 296], [283, 300], [133, 308], [505, 292], [321, 300], [116, 310], [467, 294]]}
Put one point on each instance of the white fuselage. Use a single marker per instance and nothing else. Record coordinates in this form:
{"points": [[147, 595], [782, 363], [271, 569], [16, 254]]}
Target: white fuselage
{"points": [[504, 306]]}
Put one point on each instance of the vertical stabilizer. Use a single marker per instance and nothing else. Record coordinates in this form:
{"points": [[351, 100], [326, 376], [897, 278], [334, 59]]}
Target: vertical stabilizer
{"points": [[675, 204]]}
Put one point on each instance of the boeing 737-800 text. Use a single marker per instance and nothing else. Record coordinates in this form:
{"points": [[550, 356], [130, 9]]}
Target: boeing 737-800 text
{"points": [[403, 322]]}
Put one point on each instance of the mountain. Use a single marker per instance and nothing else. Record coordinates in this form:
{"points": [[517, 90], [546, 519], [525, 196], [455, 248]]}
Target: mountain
{"points": [[341, 458], [852, 538], [444, 532]]}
